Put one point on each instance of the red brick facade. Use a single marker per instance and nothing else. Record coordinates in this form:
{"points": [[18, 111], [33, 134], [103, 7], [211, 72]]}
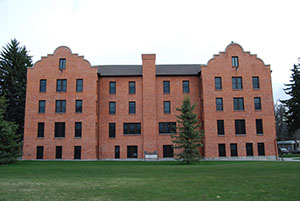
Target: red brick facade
{"points": [[122, 122]]}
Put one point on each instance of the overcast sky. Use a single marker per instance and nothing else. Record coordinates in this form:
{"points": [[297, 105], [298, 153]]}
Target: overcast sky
{"points": [[179, 32]]}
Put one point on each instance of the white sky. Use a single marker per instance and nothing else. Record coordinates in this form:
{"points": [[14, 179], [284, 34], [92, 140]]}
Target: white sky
{"points": [[179, 32]]}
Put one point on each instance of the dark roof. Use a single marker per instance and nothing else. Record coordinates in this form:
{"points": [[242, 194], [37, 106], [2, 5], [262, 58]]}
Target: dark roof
{"points": [[136, 70]]}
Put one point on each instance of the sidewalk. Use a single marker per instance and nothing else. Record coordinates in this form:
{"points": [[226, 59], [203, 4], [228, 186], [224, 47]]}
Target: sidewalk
{"points": [[295, 159]]}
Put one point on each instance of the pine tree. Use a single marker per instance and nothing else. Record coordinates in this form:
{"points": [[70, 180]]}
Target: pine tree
{"points": [[189, 137], [292, 105], [10, 148], [14, 61]]}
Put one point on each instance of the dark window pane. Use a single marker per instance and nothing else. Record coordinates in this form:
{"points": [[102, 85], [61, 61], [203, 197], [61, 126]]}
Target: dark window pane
{"points": [[222, 150], [62, 64], [131, 107], [112, 130], [220, 125], [166, 87], [257, 103], [235, 61], [77, 152], [219, 104], [238, 103], [43, 85], [218, 83], [117, 152], [41, 127], [78, 129], [233, 150], [58, 154], [255, 82], [39, 152], [259, 126], [79, 85], [60, 106], [42, 106], [132, 87], [237, 83], [59, 129], [249, 149], [112, 107], [132, 152], [78, 108], [167, 127], [168, 151], [112, 87], [186, 86], [61, 85], [240, 127], [132, 128], [261, 149], [167, 107]]}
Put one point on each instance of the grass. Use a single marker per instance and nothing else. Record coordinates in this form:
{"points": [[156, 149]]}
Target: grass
{"points": [[112, 180]]}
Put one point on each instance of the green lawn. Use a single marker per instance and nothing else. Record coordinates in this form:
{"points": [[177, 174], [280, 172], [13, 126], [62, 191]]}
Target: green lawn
{"points": [[290, 155], [111, 180]]}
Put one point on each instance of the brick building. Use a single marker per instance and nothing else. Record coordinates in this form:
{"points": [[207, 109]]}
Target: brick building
{"points": [[78, 111]]}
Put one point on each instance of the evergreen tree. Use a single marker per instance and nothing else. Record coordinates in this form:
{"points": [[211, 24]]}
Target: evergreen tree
{"points": [[292, 105], [189, 137], [10, 147], [281, 124], [14, 60]]}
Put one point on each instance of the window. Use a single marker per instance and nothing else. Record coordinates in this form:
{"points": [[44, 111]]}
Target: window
{"points": [[259, 127], [41, 127], [132, 152], [62, 64], [186, 86], [235, 61], [60, 106], [117, 152], [240, 127], [237, 83], [219, 104], [166, 87], [222, 150], [249, 149], [255, 82], [112, 107], [233, 150], [112, 130], [39, 152], [42, 106], [58, 154], [132, 128], [77, 152], [112, 87], [132, 107], [167, 127], [257, 103], [167, 107], [61, 85], [78, 106], [238, 103], [168, 151], [78, 129], [218, 83], [220, 125], [261, 149], [132, 87], [59, 129], [43, 85], [79, 85]]}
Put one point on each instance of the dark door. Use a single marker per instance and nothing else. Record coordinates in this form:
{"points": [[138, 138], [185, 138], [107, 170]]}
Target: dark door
{"points": [[58, 152], [77, 152], [39, 152], [117, 151]]}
